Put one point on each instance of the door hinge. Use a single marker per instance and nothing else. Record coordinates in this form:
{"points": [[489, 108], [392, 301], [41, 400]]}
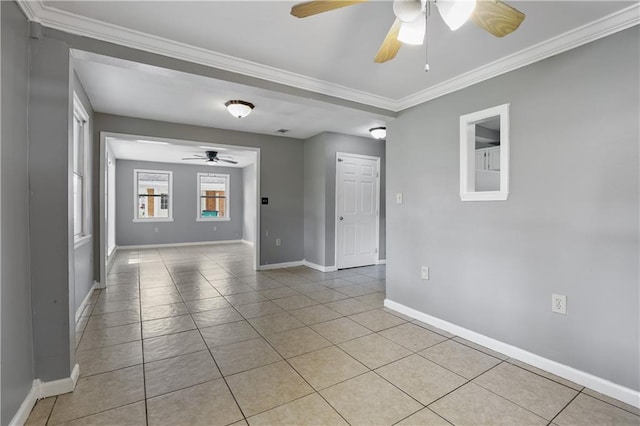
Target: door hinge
{"points": [[376, 251], [377, 174]]}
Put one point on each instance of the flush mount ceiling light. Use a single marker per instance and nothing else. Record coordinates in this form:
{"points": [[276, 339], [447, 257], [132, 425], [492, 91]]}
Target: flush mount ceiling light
{"points": [[378, 132], [239, 108]]}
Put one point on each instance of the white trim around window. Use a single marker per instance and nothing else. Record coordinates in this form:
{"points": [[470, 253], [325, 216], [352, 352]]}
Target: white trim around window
{"points": [[137, 206], [81, 139], [222, 204]]}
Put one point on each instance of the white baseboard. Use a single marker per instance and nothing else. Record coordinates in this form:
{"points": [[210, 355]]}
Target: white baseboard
{"points": [[247, 242], [170, 245], [111, 258], [41, 390], [319, 267], [97, 285], [381, 262], [596, 383], [86, 300], [21, 416], [281, 265], [58, 387]]}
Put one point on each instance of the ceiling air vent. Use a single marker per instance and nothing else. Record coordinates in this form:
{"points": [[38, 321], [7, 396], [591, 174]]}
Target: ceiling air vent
{"points": [[282, 130]]}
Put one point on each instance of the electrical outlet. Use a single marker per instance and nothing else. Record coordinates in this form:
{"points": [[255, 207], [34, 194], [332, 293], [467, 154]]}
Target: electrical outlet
{"points": [[215, 228], [156, 229], [399, 198], [278, 242], [425, 272], [559, 304]]}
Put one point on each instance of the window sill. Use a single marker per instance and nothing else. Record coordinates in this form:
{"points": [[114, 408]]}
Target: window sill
{"points": [[79, 242], [159, 219], [212, 219]]}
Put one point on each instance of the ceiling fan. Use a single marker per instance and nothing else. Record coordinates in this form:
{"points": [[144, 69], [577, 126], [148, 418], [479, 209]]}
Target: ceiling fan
{"points": [[211, 157], [409, 27]]}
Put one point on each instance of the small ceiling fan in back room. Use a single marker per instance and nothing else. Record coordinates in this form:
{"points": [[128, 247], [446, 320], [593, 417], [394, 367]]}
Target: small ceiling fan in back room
{"points": [[211, 157], [410, 24]]}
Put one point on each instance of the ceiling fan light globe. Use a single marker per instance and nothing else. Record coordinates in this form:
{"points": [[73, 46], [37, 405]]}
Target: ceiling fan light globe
{"points": [[413, 32], [239, 109], [407, 10], [455, 12]]}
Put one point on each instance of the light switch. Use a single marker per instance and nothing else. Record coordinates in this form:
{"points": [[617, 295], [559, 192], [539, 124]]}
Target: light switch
{"points": [[399, 198]]}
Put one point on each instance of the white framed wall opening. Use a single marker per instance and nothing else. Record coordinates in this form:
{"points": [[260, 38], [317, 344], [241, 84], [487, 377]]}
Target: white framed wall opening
{"points": [[160, 192]]}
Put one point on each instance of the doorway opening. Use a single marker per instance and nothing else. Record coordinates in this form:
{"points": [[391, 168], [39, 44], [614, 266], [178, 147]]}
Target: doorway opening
{"points": [[166, 213]]}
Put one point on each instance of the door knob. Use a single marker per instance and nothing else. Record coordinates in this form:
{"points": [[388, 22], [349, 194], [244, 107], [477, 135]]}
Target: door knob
{"points": [[341, 218]]}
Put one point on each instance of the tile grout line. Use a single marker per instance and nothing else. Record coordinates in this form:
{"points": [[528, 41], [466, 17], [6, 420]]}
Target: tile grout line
{"points": [[293, 368], [564, 408], [544, 377], [144, 374], [296, 372], [244, 417]]}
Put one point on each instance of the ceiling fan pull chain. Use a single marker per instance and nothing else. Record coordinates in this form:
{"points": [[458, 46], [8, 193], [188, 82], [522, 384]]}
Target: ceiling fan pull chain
{"points": [[426, 37]]}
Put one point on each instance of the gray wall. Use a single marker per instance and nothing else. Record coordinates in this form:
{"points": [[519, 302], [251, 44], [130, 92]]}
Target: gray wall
{"points": [[51, 236], [184, 228], [570, 225], [249, 203], [83, 255], [17, 346], [320, 191], [314, 200], [280, 176]]}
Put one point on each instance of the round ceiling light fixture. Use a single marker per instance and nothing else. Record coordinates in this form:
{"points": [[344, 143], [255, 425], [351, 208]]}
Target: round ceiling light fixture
{"points": [[378, 132], [239, 108]]}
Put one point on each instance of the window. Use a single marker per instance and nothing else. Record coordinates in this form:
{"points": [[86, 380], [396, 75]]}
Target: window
{"points": [[153, 200], [213, 196], [80, 140]]}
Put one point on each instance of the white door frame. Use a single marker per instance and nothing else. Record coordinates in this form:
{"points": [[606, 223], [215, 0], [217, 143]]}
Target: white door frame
{"points": [[102, 191], [377, 202]]}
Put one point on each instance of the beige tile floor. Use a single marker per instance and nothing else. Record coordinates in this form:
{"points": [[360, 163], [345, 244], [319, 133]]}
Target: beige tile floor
{"points": [[194, 336]]}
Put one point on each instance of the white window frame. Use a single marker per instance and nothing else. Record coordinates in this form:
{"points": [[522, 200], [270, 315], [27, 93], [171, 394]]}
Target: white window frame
{"points": [[135, 197], [80, 114], [227, 197]]}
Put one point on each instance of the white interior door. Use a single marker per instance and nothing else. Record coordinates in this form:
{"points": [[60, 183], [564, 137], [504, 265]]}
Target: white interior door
{"points": [[357, 195]]}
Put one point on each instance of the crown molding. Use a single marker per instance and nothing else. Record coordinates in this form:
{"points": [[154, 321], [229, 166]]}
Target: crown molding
{"points": [[618, 21], [28, 8], [37, 11], [79, 25]]}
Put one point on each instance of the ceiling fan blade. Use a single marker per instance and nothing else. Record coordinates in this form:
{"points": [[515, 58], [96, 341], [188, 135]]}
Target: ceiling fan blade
{"points": [[227, 161], [390, 45], [496, 17], [310, 8], [194, 158]]}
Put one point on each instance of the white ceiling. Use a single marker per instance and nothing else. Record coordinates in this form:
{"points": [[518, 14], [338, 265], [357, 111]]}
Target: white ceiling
{"points": [[338, 47], [136, 90], [172, 151], [331, 54]]}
